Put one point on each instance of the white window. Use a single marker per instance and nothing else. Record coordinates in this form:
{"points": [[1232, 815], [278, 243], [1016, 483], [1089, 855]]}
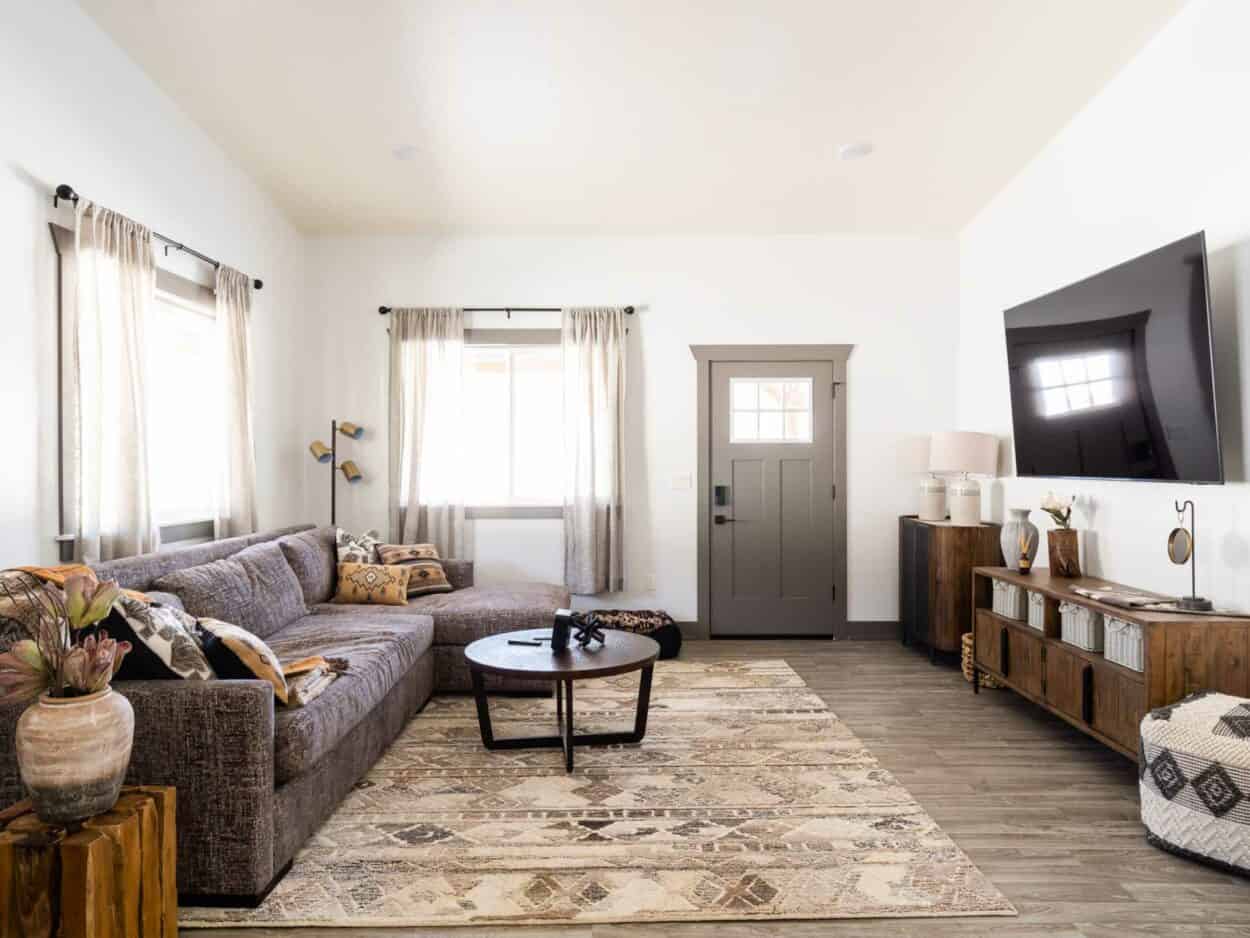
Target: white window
{"points": [[1074, 384], [184, 397], [769, 410], [514, 404]]}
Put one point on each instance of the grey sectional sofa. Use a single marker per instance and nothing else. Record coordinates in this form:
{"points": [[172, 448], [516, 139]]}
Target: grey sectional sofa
{"points": [[255, 782]]}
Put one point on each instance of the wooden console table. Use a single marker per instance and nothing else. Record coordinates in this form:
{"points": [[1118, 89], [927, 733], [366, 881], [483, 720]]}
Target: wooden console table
{"points": [[114, 877], [1183, 654]]}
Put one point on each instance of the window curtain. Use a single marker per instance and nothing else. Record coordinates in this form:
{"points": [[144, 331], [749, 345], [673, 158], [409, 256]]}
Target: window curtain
{"points": [[236, 495], [593, 341], [110, 510], [426, 497]]}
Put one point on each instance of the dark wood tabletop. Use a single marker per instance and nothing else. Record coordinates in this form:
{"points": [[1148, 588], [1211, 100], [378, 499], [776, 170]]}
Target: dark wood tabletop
{"points": [[621, 652]]}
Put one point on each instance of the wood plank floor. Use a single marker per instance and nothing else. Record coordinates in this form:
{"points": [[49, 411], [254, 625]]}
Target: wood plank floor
{"points": [[1048, 815]]}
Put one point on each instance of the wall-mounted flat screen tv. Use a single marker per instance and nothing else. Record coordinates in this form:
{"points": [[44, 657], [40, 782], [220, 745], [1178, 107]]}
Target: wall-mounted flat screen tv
{"points": [[1112, 378]]}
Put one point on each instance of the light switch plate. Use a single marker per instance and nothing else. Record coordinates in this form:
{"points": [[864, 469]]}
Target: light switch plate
{"points": [[682, 481]]}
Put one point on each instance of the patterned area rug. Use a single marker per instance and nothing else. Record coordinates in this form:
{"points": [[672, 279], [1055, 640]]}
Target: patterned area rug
{"points": [[748, 800]]}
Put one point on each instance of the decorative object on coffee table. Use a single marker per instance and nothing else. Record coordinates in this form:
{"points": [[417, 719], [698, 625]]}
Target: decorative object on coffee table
{"points": [[1181, 551], [112, 876], [1019, 538], [1065, 555], [505, 654], [330, 455], [965, 454], [654, 623], [73, 744]]}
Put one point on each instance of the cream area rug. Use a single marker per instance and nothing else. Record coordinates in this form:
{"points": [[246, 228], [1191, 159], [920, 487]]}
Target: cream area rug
{"points": [[748, 800]]}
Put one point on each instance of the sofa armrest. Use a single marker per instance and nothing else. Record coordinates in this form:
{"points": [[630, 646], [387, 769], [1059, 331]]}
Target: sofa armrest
{"points": [[459, 573], [212, 741]]}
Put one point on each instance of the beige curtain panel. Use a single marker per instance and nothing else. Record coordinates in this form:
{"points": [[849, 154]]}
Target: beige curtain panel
{"points": [[426, 496], [236, 495], [593, 342], [108, 505]]}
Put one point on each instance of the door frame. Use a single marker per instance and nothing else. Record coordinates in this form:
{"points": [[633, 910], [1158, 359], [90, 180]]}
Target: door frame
{"points": [[707, 355]]}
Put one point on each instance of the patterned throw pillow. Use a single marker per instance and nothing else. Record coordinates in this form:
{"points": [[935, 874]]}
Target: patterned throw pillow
{"points": [[237, 654], [427, 574], [357, 548], [163, 640], [372, 583]]}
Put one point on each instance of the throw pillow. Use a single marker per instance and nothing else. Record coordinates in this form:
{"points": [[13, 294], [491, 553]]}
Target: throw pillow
{"points": [[372, 583], [255, 588], [163, 642], [427, 574], [357, 548], [237, 654]]}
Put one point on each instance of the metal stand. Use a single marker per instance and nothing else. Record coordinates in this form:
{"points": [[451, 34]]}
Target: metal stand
{"points": [[567, 738]]}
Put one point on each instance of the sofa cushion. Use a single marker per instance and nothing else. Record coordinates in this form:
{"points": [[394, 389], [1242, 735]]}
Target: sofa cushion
{"points": [[255, 589], [313, 557], [469, 614], [379, 650]]}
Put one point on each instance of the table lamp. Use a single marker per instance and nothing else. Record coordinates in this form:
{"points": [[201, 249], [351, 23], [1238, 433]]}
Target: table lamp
{"points": [[964, 454]]}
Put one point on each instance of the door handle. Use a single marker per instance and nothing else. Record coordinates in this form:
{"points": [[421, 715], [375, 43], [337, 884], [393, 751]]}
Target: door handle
{"points": [[721, 519], [1087, 694]]}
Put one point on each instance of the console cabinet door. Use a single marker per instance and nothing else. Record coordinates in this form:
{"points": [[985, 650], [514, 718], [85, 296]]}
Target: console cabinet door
{"points": [[1024, 661], [1065, 681], [988, 642], [1119, 705]]}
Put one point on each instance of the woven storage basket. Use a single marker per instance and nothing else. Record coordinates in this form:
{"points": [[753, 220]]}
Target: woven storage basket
{"points": [[987, 680], [1124, 643], [1037, 610], [1009, 600], [1081, 626]]}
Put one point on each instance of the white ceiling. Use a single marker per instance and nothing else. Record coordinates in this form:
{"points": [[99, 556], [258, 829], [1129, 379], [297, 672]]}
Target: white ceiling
{"points": [[631, 116]]}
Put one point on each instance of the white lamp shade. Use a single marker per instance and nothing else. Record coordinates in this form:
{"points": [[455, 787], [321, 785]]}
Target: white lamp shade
{"points": [[963, 451]]}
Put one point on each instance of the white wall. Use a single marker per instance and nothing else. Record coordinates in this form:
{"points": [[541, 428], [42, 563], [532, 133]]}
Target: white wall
{"points": [[76, 110], [893, 298], [1161, 152]]}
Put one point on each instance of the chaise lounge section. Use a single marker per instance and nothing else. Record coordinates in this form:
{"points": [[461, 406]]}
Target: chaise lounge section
{"points": [[255, 782]]}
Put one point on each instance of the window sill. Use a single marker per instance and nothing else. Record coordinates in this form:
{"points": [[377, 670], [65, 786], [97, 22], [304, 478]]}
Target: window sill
{"points": [[494, 512]]}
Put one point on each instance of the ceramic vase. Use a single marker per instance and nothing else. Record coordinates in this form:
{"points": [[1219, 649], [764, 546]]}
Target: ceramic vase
{"points": [[1065, 556], [73, 753], [1016, 526]]}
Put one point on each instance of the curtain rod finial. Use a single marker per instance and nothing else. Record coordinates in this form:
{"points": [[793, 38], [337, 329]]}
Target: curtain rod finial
{"points": [[384, 310], [258, 284]]}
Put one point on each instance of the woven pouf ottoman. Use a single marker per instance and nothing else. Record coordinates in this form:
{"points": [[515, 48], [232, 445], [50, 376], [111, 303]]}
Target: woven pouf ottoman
{"points": [[1195, 779]]}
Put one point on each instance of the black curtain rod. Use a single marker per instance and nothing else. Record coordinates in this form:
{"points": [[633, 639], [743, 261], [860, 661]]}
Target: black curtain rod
{"points": [[67, 192], [629, 310]]}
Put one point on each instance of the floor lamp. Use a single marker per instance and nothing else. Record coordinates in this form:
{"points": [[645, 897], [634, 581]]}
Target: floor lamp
{"points": [[330, 454]]}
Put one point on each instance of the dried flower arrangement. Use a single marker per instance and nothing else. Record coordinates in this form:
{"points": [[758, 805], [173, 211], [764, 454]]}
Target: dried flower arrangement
{"points": [[59, 660]]}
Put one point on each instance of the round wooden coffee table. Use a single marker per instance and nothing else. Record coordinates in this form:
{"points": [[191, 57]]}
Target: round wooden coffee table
{"points": [[620, 653]]}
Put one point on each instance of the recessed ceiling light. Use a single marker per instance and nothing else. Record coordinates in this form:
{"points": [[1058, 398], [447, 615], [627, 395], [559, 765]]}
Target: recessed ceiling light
{"points": [[854, 151], [405, 151]]}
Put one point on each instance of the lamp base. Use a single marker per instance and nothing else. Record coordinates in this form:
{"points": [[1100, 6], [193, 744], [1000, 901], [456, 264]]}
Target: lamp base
{"points": [[965, 502], [1194, 604], [932, 499]]}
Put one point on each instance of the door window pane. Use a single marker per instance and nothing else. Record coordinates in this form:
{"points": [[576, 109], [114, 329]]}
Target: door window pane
{"points": [[766, 410]]}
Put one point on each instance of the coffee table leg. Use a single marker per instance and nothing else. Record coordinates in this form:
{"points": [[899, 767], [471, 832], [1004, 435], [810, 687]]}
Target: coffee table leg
{"points": [[644, 705], [483, 708], [568, 728]]}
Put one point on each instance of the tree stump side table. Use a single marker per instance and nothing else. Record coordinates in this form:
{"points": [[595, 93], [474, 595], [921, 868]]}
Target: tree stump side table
{"points": [[113, 877]]}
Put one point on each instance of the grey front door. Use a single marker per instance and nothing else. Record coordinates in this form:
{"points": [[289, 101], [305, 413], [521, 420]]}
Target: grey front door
{"points": [[772, 499]]}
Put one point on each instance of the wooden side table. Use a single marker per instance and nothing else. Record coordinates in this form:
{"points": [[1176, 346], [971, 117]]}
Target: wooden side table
{"points": [[113, 877]]}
